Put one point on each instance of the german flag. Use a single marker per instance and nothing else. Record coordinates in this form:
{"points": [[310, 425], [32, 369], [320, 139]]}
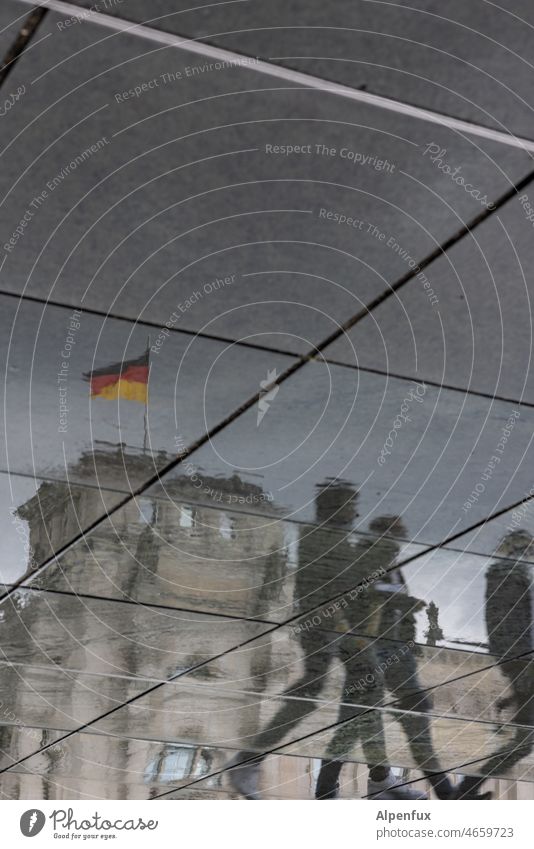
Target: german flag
{"points": [[128, 380]]}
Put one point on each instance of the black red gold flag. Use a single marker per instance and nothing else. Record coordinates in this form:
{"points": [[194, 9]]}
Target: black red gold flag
{"points": [[128, 379]]}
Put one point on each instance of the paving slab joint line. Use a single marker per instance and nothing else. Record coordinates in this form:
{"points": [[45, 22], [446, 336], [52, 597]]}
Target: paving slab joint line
{"points": [[435, 254], [254, 758], [299, 362], [24, 36]]}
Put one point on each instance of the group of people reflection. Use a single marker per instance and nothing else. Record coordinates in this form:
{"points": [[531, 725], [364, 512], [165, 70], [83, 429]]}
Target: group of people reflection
{"points": [[373, 634], [353, 608]]}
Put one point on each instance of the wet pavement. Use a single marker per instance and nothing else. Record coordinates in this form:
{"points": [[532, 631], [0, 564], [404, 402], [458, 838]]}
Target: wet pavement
{"points": [[267, 501]]}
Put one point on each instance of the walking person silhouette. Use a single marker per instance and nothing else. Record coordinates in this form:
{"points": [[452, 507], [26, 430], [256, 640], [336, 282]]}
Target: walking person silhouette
{"points": [[510, 625]]}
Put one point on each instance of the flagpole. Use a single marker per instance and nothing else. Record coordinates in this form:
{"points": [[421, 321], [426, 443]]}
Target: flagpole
{"points": [[146, 397]]}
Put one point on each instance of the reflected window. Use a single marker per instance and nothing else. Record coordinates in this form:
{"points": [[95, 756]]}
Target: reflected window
{"points": [[226, 526], [176, 763], [147, 511], [291, 543]]}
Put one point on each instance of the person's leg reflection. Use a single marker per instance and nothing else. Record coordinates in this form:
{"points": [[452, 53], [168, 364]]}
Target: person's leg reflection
{"points": [[361, 691], [318, 654]]}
